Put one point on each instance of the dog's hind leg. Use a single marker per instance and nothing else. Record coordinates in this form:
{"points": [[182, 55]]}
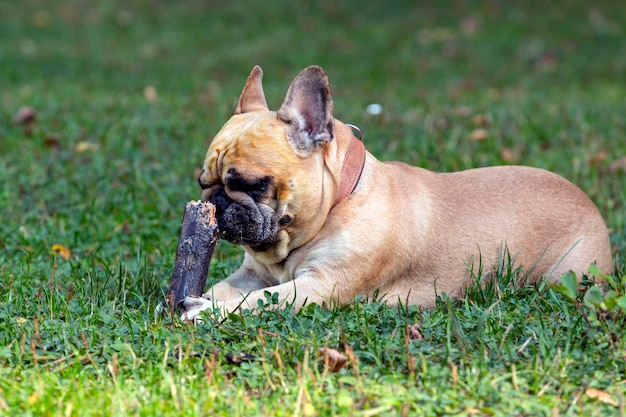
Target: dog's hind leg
{"points": [[581, 255]]}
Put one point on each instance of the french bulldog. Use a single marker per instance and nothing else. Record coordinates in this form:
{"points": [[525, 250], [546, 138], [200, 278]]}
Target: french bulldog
{"points": [[323, 221]]}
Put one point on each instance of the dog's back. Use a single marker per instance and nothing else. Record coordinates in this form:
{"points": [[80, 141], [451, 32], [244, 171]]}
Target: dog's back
{"points": [[547, 224]]}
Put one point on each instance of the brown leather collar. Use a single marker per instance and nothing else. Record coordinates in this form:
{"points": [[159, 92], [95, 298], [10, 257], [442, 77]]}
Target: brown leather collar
{"points": [[352, 167]]}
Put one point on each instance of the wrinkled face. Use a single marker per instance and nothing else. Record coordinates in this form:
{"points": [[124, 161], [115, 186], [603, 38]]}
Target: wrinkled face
{"points": [[266, 196]]}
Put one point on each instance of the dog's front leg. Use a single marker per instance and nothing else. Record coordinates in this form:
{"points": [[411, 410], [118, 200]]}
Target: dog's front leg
{"points": [[305, 289], [251, 276]]}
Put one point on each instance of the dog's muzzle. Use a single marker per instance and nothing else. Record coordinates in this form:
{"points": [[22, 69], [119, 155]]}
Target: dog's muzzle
{"points": [[243, 221]]}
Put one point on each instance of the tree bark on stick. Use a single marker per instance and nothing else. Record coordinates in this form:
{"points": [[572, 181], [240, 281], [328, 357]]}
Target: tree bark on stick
{"points": [[197, 239]]}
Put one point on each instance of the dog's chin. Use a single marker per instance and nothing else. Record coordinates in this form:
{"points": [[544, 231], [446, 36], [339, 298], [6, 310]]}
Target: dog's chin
{"points": [[261, 247], [256, 244], [239, 240]]}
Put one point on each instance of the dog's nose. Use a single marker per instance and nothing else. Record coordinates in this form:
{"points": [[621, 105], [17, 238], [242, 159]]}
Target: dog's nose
{"points": [[203, 184], [220, 200]]}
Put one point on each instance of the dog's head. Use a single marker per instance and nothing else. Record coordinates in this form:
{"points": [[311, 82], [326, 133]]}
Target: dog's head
{"points": [[272, 175]]}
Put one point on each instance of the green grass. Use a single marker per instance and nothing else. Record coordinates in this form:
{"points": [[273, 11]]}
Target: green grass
{"points": [[106, 173]]}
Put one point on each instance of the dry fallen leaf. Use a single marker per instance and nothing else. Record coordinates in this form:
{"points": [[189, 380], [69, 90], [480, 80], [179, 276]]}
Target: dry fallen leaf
{"points": [[479, 120], [25, 116], [414, 333], [478, 135], [62, 251], [332, 358], [32, 398], [308, 409], [601, 396], [618, 164], [599, 158], [508, 155], [52, 142], [85, 146], [150, 93]]}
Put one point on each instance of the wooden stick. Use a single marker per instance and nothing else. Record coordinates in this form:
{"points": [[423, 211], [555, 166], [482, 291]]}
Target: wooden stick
{"points": [[197, 239]]}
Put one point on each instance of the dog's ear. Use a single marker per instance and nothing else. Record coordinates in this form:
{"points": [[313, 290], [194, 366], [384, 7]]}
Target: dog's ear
{"points": [[252, 97], [308, 108]]}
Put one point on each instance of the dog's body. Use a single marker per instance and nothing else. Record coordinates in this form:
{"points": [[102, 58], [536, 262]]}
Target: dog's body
{"points": [[279, 179]]}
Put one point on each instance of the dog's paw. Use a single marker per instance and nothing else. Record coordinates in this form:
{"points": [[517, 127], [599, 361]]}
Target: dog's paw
{"points": [[193, 306]]}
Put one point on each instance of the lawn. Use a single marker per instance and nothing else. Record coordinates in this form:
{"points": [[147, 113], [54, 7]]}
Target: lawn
{"points": [[125, 98]]}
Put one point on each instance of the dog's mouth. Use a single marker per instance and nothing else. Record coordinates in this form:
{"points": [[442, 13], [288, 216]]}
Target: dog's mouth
{"points": [[244, 221], [241, 235]]}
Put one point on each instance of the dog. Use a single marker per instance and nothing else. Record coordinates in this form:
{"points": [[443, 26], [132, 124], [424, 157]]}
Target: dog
{"points": [[323, 221]]}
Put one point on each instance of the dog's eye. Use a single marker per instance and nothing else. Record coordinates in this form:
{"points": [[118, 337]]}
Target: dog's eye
{"points": [[254, 187]]}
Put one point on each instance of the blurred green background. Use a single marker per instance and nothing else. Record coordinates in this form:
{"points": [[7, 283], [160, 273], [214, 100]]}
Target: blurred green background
{"points": [[143, 86]]}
